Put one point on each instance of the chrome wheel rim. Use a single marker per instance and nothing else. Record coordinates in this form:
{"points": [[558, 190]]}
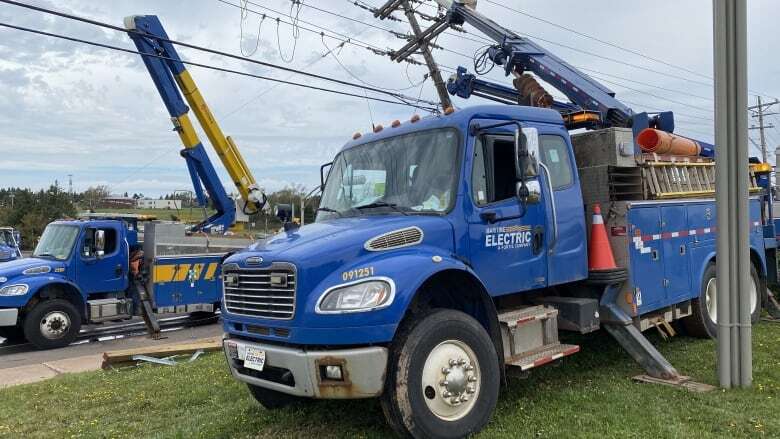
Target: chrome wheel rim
{"points": [[451, 380], [55, 325], [711, 298]]}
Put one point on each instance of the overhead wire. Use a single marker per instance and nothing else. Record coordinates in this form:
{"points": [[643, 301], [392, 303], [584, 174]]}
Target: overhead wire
{"points": [[220, 69], [611, 44], [356, 77], [296, 30], [398, 96], [244, 16], [273, 87]]}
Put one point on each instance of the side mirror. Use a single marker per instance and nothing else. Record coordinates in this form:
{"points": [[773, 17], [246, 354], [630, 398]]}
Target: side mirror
{"points": [[324, 175], [100, 243], [526, 153], [530, 192]]}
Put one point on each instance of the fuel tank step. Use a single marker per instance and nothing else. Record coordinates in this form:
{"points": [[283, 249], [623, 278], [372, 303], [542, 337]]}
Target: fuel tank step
{"points": [[539, 357]]}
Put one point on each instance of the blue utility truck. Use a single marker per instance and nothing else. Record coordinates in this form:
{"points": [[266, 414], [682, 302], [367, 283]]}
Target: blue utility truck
{"points": [[97, 270], [442, 254], [451, 250]]}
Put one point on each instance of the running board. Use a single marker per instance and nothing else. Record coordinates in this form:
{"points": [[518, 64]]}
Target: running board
{"points": [[540, 357]]}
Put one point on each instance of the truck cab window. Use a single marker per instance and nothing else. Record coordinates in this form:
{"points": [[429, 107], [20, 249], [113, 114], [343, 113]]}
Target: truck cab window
{"points": [[555, 154], [87, 249], [493, 173]]}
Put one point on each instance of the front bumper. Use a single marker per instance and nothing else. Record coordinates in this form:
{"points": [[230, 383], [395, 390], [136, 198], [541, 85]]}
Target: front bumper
{"points": [[300, 372], [8, 316]]}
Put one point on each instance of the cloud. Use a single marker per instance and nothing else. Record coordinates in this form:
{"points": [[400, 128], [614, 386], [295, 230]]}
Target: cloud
{"points": [[67, 108]]}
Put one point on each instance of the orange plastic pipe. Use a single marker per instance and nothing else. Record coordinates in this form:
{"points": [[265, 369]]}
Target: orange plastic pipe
{"points": [[661, 142]]}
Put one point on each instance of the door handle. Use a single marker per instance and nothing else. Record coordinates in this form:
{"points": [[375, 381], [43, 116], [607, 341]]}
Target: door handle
{"points": [[119, 270], [552, 205], [538, 239], [488, 216]]}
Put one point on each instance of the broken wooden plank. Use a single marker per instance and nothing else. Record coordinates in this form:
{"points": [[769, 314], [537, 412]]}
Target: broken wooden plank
{"points": [[123, 357]]}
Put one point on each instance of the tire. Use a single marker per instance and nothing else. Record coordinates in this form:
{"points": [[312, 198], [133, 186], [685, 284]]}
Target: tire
{"points": [[12, 333], [413, 400], [702, 323], [53, 323], [271, 399]]}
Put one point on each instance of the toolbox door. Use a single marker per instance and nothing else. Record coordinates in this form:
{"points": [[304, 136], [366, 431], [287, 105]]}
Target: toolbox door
{"points": [[180, 281], [647, 267], [674, 239]]}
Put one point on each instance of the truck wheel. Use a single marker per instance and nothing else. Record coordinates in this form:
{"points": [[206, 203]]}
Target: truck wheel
{"points": [[52, 324], [704, 321], [271, 399], [443, 377]]}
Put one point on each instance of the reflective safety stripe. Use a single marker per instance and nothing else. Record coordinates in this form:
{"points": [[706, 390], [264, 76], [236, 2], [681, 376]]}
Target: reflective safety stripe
{"points": [[212, 270], [183, 270]]}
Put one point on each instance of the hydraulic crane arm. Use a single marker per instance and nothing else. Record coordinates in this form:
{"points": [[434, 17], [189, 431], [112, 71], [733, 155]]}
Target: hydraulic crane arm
{"points": [[518, 55], [177, 89]]}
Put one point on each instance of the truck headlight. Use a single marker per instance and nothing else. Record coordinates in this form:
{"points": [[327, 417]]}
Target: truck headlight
{"points": [[363, 295], [14, 290]]}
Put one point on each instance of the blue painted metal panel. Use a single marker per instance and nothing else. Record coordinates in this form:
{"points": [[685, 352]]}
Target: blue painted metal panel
{"points": [[687, 223], [675, 252], [195, 285], [646, 259]]}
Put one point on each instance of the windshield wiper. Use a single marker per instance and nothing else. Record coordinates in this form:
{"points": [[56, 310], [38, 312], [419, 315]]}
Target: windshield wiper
{"points": [[45, 255], [382, 204], [329, 210]]}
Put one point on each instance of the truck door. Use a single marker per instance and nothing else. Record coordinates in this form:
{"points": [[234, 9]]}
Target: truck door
{"points": [[567, 252], [507, 247], [107, 272]]}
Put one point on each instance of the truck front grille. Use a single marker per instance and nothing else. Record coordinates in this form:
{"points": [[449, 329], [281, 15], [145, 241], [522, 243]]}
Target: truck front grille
{"points": [[267, 293]]}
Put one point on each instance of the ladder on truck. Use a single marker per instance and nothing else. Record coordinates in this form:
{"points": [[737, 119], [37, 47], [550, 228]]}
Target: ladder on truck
{"points": [[666, 177]]}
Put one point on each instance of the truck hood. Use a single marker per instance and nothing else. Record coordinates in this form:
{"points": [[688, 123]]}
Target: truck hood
{"points": [[336, 242], [14, 269]]}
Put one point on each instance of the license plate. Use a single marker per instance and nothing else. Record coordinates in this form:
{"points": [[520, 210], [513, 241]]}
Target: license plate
{"points": [[254, 359]]}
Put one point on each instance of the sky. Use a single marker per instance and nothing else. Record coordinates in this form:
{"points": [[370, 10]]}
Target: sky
{"points": [[71, 109]]}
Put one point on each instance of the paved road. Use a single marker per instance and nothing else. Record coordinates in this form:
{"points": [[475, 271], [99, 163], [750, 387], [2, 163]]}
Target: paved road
{"points": [[23, 355]]}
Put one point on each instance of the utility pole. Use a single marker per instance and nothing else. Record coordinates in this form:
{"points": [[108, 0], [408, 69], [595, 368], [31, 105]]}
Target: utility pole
{"points": [[760, 109], [420, 42], [735, 364]]}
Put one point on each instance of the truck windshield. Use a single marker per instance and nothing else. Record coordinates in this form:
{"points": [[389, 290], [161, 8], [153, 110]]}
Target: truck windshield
{"points": [[57, 242], [411, 173]]}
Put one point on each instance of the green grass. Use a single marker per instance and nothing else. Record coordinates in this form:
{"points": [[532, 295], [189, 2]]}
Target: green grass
{"points": [[589, 395]]}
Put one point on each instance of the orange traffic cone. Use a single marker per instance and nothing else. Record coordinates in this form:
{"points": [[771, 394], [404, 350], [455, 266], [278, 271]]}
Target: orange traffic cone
{"points": [[600, 255]]}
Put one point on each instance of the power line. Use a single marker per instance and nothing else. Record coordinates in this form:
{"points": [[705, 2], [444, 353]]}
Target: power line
{"points": [[657, 96], [220, 69], [599, 40], [195, 47], [614, 45], [273, 87], [646, 84]]}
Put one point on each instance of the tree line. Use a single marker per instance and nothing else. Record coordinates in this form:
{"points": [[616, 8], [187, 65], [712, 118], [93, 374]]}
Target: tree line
{"points": [[30, 211]]}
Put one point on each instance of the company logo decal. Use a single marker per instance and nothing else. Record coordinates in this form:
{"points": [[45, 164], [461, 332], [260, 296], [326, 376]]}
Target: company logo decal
{"points": [[508, 237]]}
